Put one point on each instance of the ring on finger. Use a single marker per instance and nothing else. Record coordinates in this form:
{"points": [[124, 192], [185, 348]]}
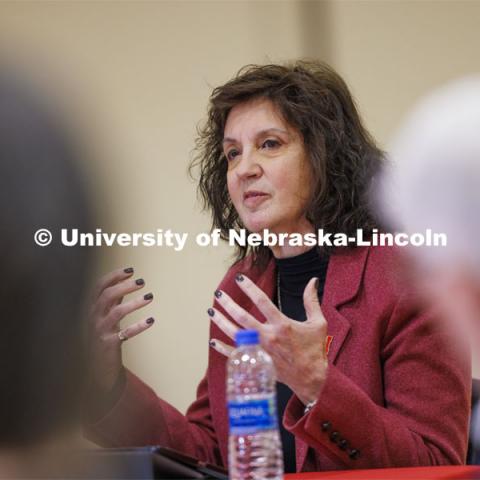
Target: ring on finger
{"points": [[122, 336]]}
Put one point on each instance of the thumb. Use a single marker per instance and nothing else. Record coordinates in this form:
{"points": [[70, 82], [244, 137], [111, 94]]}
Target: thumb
{"points": [[311, 301]]}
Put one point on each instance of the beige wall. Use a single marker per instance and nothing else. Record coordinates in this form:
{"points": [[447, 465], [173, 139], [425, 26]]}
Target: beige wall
{"points": [[147, 68], [392, 52]]}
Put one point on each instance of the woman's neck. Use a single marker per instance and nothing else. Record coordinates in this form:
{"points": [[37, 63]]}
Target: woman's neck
{"points": [[287, 250]]}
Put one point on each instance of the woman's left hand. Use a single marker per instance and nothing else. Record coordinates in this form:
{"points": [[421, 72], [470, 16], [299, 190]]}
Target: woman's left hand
{"points": [[298, 349]]}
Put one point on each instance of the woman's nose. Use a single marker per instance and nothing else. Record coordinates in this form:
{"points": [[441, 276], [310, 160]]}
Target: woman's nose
{"points": [[249, 165]]}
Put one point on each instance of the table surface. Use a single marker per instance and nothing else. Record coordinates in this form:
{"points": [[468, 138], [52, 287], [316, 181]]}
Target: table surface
{"points": [[411, 473]]}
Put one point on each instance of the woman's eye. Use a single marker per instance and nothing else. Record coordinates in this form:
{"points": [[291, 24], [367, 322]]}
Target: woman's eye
{"points": [[231, 154], [270, 143]]}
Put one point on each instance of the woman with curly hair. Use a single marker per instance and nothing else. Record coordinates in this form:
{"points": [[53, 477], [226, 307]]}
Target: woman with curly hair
{"points": [[366, 378]]}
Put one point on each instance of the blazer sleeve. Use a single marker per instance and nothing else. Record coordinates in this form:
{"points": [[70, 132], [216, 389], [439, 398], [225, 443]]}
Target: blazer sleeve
{"points": [[141, 418], [425, 416]]}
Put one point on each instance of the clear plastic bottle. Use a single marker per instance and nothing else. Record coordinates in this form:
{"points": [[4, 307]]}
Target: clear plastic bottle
{"points": [[254, 448]]}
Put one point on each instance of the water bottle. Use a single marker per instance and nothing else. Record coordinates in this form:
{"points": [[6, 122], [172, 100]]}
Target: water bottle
{"points": [[254, 447]]}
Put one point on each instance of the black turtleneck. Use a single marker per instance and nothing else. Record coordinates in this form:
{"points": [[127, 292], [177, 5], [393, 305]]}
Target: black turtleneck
{"points": [[294, 273]]}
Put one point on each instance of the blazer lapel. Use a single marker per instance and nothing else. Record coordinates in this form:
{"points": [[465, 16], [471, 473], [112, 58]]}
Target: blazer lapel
{"points": [[344, 276]]}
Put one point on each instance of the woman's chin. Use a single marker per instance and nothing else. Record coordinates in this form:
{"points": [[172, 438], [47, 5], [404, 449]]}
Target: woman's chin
{"points": [[257, 226], [259, 220]]}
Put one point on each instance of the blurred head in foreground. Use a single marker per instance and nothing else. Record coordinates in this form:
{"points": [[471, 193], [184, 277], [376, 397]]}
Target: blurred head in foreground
{"points": [[43, 339], [434, 183]]}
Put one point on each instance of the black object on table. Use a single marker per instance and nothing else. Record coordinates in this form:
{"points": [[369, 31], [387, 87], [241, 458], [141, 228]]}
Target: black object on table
{"points": [[153, 462]]}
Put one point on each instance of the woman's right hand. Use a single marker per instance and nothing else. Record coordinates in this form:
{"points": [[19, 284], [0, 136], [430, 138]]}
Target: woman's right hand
{"points": [[108, 310]]}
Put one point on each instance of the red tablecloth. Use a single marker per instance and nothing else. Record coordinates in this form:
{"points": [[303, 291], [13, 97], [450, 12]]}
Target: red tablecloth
{"points": [[416, 473]]}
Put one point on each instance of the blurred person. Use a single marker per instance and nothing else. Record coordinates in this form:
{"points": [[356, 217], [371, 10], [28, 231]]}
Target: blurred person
{"points": [[361, 384], [434, 183], [43, 349]]}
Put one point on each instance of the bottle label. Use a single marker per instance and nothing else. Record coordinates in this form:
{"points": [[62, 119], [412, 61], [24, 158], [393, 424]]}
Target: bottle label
{"points": [[252, 415]]}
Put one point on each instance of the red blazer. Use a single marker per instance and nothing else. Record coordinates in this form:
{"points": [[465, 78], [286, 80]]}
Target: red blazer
{"points": [[397, 390]]}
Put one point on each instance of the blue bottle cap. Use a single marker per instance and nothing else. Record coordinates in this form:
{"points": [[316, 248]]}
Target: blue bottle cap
{"points": [[246, 337]]}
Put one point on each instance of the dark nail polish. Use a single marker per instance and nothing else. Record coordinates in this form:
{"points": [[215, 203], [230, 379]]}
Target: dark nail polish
{"points": [[317, 282], [211, 312], [140, 281], [128, 270], [218, 293], [150, 320], [148, 296], [239, 277], [211, 343]]}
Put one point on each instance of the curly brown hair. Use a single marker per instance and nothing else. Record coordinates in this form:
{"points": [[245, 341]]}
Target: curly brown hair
{"points": [[316, 101]]}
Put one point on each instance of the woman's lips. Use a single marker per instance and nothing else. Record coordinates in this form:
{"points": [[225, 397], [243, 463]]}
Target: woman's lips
{"points": [[253, 199]]}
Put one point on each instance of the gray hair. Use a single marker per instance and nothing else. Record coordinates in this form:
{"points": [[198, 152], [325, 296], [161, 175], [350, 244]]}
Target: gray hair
{"points": [[433, 180]]}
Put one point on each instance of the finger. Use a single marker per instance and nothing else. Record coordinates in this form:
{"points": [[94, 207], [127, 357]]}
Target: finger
{"points": [[111, 295], [311, 301], [112, 278], [119, 312], [136, 328], [225, 325], [240, 315], [221, 347], [259, 298]]}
